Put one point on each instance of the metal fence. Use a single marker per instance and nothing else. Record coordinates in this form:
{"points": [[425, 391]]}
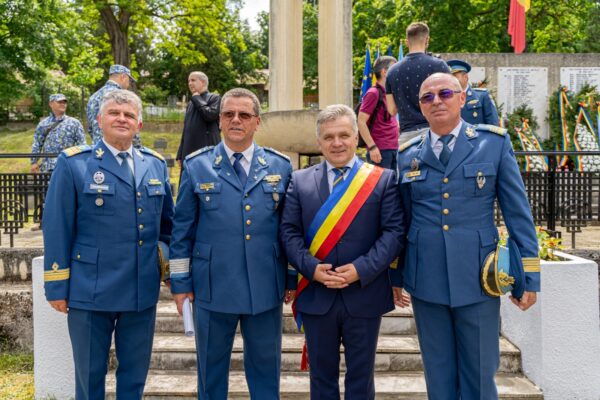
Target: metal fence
{"points": [[569, 198]]}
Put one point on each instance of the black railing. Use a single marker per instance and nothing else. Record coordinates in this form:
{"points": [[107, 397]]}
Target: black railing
{"points": [[571, 198]]}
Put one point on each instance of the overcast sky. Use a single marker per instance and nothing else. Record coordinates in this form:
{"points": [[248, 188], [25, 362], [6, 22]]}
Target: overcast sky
{"points": [[251, 9]]}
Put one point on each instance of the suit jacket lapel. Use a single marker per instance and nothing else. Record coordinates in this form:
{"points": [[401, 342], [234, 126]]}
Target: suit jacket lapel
{"points": [[461, 150], [322, 185], [258, 168], [224, 167], [140, 166], [428, 156]]}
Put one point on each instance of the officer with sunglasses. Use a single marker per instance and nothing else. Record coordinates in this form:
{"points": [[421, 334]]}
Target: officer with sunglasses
{"points": [[450, 179], [225, 255]]}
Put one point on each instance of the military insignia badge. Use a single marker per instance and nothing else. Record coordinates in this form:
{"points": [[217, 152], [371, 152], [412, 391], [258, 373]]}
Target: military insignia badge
{"points": [[154, 182], [474, 101], [261, 161], [99, 201], [414, 164], [413, 174], [475, 114], [99, 153], [469, 132], [218, 159], [272, 179], [55, 266], [207, 186], [480, 180], [99, 176]]}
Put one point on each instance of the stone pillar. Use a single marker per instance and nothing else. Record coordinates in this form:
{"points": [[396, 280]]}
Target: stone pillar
{"points": [[285, 55], [335, 52]]}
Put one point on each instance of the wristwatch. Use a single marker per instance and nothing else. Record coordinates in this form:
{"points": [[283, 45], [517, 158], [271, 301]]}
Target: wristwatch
{"points": [[372, 147]]}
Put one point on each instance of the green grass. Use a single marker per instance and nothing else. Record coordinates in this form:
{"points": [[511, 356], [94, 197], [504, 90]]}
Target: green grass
{"points": [[20, 142], [16, 376]]}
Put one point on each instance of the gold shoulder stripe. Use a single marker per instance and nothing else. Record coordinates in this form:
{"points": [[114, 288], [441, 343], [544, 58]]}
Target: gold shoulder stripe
{"points": [[152, 152], [199, 151], [57, 275], [491, 128], [415, 140], [272, 150], [71, 151], [531, 264]]}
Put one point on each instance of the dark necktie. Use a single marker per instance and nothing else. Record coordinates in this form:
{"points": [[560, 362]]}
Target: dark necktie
{"points": [[125, 167], [239, 170], [338, 177], [446, 152]]}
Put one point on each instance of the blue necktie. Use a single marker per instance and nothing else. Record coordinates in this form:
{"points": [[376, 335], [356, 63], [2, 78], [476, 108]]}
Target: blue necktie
{"points": [[446, 152], [239, 170], [338, 177], [125, 167]]}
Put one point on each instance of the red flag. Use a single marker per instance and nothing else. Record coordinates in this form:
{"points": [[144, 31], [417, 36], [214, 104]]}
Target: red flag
{"points": [[516, 23]]}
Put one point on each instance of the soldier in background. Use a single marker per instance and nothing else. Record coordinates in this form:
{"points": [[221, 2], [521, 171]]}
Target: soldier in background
{"points": [[119, 77], [54, 134], [479, 107]]}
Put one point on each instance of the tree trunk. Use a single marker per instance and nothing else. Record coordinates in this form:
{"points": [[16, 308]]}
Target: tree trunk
{"points": [[118, 32]]}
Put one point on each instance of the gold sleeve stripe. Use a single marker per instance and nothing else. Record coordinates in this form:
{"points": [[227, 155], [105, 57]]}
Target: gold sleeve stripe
{"points": [[57, 275], [531, 264]]}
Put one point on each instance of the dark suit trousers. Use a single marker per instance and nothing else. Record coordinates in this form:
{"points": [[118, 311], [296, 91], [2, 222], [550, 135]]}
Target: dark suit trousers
{"points": [[324, 334]]}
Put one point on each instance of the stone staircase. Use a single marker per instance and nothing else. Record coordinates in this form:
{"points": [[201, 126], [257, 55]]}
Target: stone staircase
{"points": [[399, 370]]}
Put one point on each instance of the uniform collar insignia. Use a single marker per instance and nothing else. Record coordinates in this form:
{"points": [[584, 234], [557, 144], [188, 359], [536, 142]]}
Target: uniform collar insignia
{"points": [[218, 159], [261, 160], [470, 132], [99, 152]]}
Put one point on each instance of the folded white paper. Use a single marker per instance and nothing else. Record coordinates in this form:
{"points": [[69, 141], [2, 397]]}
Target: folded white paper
{"points": [[188, 319]]}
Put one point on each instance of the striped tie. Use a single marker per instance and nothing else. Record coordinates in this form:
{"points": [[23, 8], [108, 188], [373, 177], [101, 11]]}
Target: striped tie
{"points": [[338, 177]]}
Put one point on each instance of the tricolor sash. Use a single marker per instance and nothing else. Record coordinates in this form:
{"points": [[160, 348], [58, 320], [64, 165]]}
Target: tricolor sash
{"points": [[332, 220]]}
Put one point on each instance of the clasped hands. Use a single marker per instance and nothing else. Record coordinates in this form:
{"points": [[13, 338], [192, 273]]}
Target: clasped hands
{"points": [[342, 277]]}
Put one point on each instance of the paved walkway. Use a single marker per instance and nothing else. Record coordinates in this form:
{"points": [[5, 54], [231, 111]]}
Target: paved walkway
{"points": [[589, 238]]}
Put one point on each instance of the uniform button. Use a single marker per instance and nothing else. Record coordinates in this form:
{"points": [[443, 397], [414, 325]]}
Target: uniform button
{"points": [[445, 180], [446, 227], [139, 194], [247, 237], [141, 242], [247, 208], [139, 210], [141, 226], [446, 195], [446, 211], [78, 256], [248, 222]]}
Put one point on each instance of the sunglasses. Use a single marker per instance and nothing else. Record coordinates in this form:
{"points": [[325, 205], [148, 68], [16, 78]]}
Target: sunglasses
{"points": [[444, 94], [244, 116]]}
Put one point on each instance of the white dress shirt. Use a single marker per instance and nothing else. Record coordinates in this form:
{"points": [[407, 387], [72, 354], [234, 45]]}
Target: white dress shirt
{"points": [[331, 173], [246, 160]]}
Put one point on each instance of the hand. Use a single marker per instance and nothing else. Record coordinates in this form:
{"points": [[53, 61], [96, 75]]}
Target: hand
{"points": [[35, 168], [168, 283], [59, 305], [179, 163], [180, 298], [401, 298], [290, 295], [375, 155], [348, 272], [527, 300], [323, 274]]}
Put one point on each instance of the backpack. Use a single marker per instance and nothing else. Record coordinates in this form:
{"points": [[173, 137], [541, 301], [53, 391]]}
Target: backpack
{"points": [[371, 121]]}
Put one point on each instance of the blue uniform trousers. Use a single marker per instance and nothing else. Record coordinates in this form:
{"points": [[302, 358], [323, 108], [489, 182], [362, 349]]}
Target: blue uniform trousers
{"points": [[324, 334], [215, 332], [460, 348], [91, 334]]}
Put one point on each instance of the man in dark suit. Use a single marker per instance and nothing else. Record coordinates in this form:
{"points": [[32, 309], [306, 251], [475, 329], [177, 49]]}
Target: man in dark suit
{"points": [[342, 227], [201, 124]]}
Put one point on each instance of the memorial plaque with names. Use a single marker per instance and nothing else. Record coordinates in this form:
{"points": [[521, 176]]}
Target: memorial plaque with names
{"points": [[525, 85], [575, 77], [476, 75]]}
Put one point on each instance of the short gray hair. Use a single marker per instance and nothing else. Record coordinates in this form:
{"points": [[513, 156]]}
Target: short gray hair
{"points": [[335, 112], [241, 92], [122, 96], [200, 75]]}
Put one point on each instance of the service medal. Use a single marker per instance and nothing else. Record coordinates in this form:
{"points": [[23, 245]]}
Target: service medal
{"points": [[414, 164], [99, 176], [99, 201], [480, 180], [275, 197]]}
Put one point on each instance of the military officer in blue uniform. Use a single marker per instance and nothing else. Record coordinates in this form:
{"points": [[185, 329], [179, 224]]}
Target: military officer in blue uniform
{"points": [[479, 107], [55, 133], [225, 254], [106, 208], [119, 77], [449, 180]]}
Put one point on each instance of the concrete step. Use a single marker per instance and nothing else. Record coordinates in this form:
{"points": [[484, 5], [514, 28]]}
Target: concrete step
{"points": [[397, 322], [394, 353], [295, 386]]}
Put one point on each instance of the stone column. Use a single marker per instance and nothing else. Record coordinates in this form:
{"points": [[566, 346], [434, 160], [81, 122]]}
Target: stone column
{"points": [[335, 52], [285, 55]]}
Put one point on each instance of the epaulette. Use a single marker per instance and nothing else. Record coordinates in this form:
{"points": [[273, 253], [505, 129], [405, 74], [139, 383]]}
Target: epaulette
{"points": [[480, 89], [199, 151], [491, 128], [272, 150], [152, 152], [413, 141], [71, 151]]}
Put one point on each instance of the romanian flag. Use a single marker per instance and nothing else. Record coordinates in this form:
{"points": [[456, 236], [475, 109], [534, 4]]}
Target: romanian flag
{"points": [[516, 23], [367, 75]]}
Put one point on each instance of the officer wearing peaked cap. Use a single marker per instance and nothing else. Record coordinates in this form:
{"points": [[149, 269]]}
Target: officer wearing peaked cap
{"points": [[119, 77], [449, 181], [225, 254], [479, 107], [105, 210], [55, 133]]}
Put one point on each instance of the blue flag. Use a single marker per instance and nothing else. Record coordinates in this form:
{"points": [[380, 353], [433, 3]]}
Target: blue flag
{"points": [[389, 51], [400, 51], [366, 76]]}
